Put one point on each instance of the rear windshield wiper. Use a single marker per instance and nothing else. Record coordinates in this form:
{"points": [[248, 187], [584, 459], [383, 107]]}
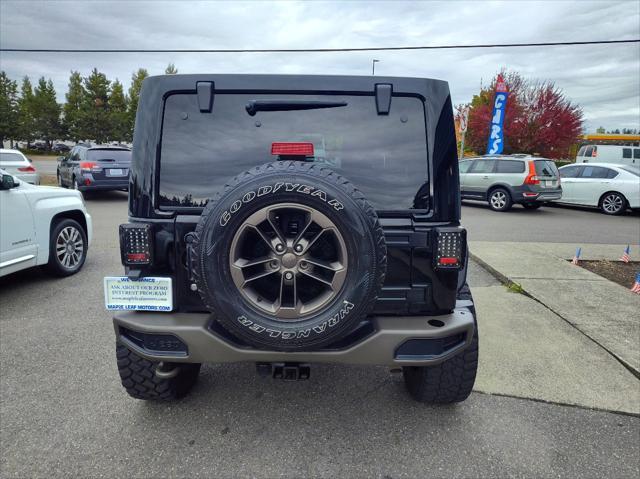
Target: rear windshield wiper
{"points": [[255, 106]]}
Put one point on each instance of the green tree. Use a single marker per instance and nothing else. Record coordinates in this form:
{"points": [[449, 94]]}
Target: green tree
{"points": [[73, 107], [46, 111], [8, 109], [134, 95], [118, 112], [95, 123], [171, 69], [26, 124], [600, 130]]}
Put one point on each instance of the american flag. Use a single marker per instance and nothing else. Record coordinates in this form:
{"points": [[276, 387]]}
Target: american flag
{"points": [[576, 258], [636, 286], [625, 256]]}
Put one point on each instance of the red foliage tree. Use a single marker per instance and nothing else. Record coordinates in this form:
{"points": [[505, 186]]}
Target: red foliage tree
{"points": [[539, 119]]}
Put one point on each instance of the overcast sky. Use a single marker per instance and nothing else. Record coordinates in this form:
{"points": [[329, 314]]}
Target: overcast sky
{"points": [[604, 80]]}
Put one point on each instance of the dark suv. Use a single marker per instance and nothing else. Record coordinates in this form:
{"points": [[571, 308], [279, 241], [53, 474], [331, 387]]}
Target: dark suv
{"points": [[285, 220], [95, 168]]}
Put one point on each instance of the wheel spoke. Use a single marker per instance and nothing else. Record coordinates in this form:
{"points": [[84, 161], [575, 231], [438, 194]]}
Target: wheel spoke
{"points": [[317, 277], [246, 263], [333, 266], [262, 274]]}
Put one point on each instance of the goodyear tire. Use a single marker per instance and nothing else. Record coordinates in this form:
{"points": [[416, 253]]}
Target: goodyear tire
{"points": [[290, 256]]}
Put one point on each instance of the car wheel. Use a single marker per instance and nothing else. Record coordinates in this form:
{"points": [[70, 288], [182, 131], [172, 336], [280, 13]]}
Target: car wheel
{"points": [[500, 200], [613, 204], [139, 378], [60, 183], [531, 206], [288, 266], [67, 248]]}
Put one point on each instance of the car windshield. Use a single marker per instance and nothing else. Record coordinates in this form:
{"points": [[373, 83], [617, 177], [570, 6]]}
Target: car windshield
{"points": [[384, 155], [7, 157], [109, 154], [631, 169]]}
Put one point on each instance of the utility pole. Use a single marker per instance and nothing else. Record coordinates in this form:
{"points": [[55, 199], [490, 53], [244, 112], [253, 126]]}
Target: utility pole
{"points": [[373, 67]]}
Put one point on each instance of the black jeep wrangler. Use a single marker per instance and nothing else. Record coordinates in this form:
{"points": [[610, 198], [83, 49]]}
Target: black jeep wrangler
{"points": [[286, 220]]}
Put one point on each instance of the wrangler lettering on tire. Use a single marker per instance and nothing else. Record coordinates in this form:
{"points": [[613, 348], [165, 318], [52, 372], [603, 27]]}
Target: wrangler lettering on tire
{"points": [[287, 265]]}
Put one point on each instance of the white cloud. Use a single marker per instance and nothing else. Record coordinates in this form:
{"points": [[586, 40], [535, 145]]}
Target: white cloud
{"points": [[604, 80]]}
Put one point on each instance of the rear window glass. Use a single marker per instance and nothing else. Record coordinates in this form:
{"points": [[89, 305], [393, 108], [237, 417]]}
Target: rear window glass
{"points": [[546, 168], [10, 158], [582, 150], [626, 153], [385, 156], [636, 153], [510, 166], [115, 155]]}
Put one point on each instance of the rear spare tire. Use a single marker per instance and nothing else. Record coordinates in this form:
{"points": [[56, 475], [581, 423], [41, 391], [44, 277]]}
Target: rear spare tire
{"points": [[290, 256]]}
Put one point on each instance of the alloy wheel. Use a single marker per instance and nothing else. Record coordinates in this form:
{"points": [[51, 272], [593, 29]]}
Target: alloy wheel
{"points": [[69, 247], [288, 260], [498, 200], [612, 203]]}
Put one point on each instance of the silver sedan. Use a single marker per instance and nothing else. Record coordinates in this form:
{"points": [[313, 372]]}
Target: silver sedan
{"points": [[18, 165]]}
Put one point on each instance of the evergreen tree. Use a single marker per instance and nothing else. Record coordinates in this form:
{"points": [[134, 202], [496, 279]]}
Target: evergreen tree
{"points": [[73, 107], [94, 116], [118, 113], [46, 111], [134, 95], [25, 112], [8, 109], [171, 69]]}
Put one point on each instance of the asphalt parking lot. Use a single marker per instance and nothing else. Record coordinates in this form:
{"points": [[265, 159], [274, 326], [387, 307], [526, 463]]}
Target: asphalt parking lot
{"points": [[63, 412]]}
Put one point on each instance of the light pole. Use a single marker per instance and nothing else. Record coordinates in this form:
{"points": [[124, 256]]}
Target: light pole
{"points": [[373, 67]]}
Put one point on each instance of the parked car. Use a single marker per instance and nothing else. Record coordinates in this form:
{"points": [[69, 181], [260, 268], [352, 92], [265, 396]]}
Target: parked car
{"points": [[612, 188], [18, 165], [60, 148], [261, 224], [614, 154], [39, 146], [505, 180], [90, 168], [42, 225]]}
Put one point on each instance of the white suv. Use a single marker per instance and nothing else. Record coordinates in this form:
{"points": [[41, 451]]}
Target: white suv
{"points": [[41, 225]]}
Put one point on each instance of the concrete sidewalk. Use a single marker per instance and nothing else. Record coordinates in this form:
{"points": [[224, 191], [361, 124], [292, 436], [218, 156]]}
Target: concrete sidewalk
{"points": [[604, 311]]}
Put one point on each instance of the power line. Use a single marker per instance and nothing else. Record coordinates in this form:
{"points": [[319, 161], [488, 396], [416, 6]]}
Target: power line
{"points": [[308, 50]]}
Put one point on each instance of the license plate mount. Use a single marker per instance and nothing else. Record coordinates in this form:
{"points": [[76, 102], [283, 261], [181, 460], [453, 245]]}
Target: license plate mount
{"points": [[145, 294]]}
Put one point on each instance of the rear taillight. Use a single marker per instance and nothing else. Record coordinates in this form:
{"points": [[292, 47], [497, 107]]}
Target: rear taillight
{"points": [[532, 178], [136, 244], [450, 248], [27, 169], [89, 166]]}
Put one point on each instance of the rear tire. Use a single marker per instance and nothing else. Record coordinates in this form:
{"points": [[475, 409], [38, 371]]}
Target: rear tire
{"points": [[450, 381], [447, 382], [138, 376], [613, 203], [500, 200]]}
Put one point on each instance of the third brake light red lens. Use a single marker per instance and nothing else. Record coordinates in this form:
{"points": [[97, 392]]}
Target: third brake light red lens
{"points": [[292, 149]]}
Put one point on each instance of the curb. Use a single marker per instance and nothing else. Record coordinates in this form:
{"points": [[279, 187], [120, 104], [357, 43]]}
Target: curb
{"points": [[508, 281]]}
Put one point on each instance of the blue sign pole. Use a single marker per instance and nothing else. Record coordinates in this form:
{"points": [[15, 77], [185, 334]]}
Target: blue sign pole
{"points": [[495, 145]]}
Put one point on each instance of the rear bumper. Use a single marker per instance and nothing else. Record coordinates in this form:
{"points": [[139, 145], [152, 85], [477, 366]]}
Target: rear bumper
{"points": [[526, 194], [103, 185], [388, 344]]}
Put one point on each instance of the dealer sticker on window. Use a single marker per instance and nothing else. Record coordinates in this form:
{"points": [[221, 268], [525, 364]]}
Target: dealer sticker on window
{"points": [[144, 294]]}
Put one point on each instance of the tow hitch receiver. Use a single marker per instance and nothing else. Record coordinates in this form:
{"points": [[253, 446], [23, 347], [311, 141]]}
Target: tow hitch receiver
{"points": [[285, 371]]}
